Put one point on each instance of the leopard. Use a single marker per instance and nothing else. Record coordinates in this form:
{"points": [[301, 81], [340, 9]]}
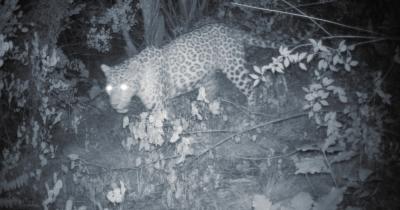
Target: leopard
{"points": [[157, 74]]}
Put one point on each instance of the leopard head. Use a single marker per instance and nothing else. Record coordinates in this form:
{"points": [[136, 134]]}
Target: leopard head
{"points": [[122, 85]]}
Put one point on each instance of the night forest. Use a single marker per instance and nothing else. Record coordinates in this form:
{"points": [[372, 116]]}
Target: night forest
{"points": [[320, 132]]}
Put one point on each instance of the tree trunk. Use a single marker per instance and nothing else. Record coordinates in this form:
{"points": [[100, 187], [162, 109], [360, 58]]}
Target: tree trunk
{"points": [[154, 26]]}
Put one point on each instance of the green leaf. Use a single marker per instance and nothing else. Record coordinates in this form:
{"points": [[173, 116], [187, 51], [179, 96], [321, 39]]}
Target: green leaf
{"points": [[302, 201], [307, 106], [310, 165], [286, 62], [294, 58], [331, 88], [260, 202], [324, 103], [315, 86], [73, 157], [303, 66], [307, 148], [343, 156], [364, 173], [326, 81], [302, 56], [329, 141], [319, 43], [347, 67], [323, 94], [309, 97], [256, 82], [317, 120], [333, 68], [305, 89], [313, 42], [257, 69], [125, 121], [310, 57], [342, 46], [323, 48], [322, 64], [336, 59], [353, 63], [343, 98], [331, 200], [254, 76], [317, 107]]}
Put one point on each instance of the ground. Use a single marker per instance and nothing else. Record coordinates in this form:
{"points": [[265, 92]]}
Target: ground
{"points": [[252, 163]]}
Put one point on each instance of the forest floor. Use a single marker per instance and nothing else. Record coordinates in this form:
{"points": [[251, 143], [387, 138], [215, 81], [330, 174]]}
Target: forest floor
{"points": [[250, 163]]}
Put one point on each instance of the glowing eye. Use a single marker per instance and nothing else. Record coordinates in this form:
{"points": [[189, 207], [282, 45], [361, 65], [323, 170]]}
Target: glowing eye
{"points": [[124, 87], [109, 88]]}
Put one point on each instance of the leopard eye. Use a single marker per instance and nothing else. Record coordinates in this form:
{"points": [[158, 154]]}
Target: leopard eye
{"points": [[109, 88], [123, 87]]}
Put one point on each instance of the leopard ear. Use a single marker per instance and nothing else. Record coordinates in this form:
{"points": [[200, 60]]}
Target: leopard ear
{"points": [[105, 68]]}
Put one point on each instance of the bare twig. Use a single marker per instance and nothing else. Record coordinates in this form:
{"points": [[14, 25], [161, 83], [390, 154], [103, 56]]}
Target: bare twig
{"points": [[311, 4], [312, 20], [330, 168], [372, 97], [244, 110], [369, 41], [207, 131], [388, 71], [299, 46], [307, 17], [270, 157], [373, 39], [126, 168], [393, 38], [249, 129]]}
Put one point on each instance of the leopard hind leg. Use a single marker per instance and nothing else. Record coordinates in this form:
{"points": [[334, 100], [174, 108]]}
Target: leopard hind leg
{"points": [[238, 74]]}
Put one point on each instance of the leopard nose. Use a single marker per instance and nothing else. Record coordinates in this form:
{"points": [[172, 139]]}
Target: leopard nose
{"points": [[119, 108]]}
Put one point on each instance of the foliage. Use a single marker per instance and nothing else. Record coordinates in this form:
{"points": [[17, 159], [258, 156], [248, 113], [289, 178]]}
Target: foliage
{"points": [[54, 17], [313, 165], [117, 194], [99, 39], [359, 122], [149, 129], [52, 193], [10, 203], [10, 14], [331, 200], [8, 186], [5, 47], [32, 105], [118, 19], [15, 184]]}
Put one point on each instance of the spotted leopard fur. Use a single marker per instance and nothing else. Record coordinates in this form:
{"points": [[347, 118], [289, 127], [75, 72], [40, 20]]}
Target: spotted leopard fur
{"points": [[157, 74]]}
